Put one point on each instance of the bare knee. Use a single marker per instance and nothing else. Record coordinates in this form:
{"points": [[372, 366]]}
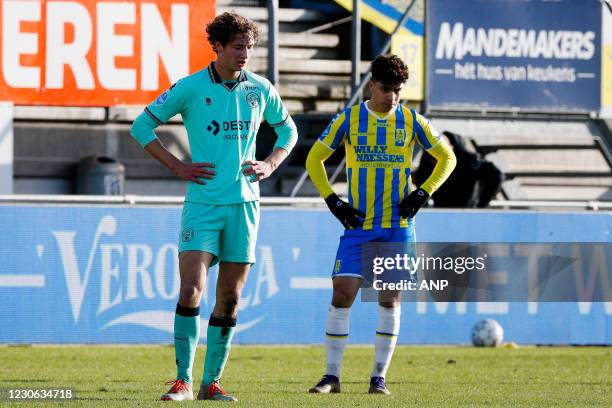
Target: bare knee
{"points": [[342, 298], [193, 267], [227, 304], [190, 295], [389, 305], [345, 290]]}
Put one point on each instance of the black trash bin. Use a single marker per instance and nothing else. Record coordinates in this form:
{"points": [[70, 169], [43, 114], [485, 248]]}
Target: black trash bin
{"points": [[100, 175]]}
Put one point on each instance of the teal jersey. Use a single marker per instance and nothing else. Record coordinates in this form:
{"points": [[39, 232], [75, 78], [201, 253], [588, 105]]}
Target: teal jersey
{"points": [[222, 120]]}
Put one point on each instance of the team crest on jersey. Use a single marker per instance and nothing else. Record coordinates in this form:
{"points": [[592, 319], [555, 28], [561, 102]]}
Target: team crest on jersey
{"points": [[208, 101], [400, 137], [252, 99]]}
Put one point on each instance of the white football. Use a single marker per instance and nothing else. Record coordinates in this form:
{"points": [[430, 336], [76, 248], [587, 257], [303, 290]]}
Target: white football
{"points": [[487, 333]]}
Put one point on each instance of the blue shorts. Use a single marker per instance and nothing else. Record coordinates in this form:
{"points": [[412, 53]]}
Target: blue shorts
{"points": [[351, 249], [229, 232]]}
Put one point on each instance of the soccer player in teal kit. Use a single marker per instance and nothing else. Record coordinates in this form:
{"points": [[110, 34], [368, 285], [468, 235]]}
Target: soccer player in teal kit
{"points": [[222, 107]]}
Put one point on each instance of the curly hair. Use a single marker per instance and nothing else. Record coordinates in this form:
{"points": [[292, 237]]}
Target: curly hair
{"points": [[389, 69], [226, 26]]}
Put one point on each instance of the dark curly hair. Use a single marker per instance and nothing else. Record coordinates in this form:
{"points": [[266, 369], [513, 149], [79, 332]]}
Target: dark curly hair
{"points": [[226, 26], [389, 69]]}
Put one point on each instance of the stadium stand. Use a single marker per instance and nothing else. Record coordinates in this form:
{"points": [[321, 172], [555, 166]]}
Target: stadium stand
{"points": [[545, 158]]}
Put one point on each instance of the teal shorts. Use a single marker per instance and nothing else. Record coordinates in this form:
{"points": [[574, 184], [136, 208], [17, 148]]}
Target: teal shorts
{"points": [[229, 232]]}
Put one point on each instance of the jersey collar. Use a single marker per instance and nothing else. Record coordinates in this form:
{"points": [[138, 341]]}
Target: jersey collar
{"points": [[216, 78], [371, 112]]}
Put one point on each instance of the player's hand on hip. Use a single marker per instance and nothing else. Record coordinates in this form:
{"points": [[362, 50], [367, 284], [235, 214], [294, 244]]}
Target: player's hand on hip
{"points": [[195, 171], [349, 217], [257, 170], [411, 204]]}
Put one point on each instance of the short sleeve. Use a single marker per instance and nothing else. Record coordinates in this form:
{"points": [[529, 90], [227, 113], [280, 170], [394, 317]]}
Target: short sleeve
{"points": [[426, 135], [275, 112], [168, 104], [336, 131]]}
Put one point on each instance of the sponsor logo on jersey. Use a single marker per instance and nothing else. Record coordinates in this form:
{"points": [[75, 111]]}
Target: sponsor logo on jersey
{"points": [[236, 129], [213, 127], [239, 125], [376, 154]]}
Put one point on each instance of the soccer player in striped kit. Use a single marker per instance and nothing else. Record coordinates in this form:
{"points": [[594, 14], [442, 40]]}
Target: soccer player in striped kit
{"points": [[379, 136]]}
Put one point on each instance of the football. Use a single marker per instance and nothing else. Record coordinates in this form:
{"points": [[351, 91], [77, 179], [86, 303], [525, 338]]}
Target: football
{"points": [[487, 333]]}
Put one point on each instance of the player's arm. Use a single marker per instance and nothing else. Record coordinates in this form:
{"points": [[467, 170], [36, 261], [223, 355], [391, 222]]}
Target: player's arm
{"points": [[318, 154], [446, 161], [445, 164], [187, 171], [157, 113], [262, 169], [321, 150], [279, 119]]}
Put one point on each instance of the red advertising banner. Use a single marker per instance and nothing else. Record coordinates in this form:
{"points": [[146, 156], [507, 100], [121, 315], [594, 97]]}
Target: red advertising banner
{"points": [[99, 53]]}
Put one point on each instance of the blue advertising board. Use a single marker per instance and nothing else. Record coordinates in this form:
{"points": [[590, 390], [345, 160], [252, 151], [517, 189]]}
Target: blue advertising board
{"points": [[533, 55], [109, 274]]}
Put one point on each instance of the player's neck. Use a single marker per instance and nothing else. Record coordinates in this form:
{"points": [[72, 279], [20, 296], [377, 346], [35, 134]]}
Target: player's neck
{"points": [[226, 74], [377, 108]]}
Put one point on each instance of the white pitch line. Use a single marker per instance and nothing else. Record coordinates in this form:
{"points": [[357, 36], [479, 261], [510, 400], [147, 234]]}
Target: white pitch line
{"points": [[311, 283], [31, 281]]}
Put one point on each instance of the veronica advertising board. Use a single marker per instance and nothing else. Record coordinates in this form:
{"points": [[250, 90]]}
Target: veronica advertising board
{"points": [[109, 274], [531, 55]]}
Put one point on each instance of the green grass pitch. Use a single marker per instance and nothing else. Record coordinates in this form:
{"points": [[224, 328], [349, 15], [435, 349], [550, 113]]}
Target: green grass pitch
{"points": [[279, 376]]}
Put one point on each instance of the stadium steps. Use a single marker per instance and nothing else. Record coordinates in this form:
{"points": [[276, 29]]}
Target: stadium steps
{"points": [[312, 74], [566, 187], [542, 159], [314, 78], [50, 141], [46, 156]]}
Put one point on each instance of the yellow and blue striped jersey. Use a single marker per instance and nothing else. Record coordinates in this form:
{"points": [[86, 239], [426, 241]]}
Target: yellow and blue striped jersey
{"points": [[379, 158]]}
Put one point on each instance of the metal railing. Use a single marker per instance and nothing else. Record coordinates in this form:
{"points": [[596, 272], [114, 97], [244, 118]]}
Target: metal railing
{"points": [[273, 42], [294, 202]]}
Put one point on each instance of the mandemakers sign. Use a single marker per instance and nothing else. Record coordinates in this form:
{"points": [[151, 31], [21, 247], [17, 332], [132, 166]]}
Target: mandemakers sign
{"points": [[536, 55], [457, 41], [101, 53]]}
